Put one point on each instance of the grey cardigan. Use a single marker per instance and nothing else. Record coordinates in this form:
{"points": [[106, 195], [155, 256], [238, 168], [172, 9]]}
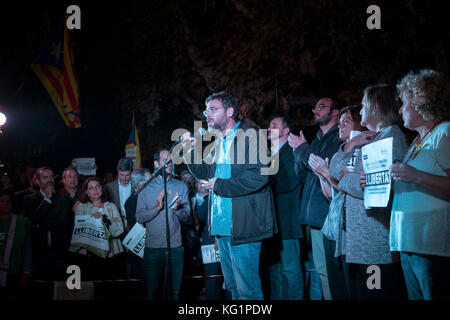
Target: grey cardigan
{"points": [[155, 221], [367, 232]]}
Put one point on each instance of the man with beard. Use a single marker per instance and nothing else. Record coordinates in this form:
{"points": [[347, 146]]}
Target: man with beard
{"points": [[314, 205], [241, 211], [50, 215], [71, 190]]}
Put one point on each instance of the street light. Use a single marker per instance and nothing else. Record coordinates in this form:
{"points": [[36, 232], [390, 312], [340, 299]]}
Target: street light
{"points": [[2, 119], [2, 122]]}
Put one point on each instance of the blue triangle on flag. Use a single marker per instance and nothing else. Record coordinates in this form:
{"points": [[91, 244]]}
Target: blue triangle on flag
{"points": [[52, 52]]}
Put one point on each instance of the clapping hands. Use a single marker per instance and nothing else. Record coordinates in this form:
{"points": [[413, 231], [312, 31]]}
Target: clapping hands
{"points": [[319, 166], [295, 141]]}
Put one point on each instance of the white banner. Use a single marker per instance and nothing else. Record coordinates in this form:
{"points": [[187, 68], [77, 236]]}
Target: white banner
{"points": [[85, 166], [131, 152], [135, 240], [90, 233], [377, 160], [209, 254]]}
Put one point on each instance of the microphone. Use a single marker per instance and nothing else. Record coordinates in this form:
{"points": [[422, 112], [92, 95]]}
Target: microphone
{"points": [[200, 132]]}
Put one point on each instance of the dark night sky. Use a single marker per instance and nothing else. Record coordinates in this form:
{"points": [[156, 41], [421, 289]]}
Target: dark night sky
{"points": [[35, 131], [127, 44]]}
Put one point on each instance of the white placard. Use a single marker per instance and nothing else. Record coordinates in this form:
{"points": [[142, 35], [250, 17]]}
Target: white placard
{"points": [[377, 161], [90, 233], [209, 254], [135, 240], [85, 166], [131, 152]]}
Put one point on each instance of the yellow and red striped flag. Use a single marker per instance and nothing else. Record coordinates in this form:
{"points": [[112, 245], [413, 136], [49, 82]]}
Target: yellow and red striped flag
{"points": [[132, 148], [54, 67]]}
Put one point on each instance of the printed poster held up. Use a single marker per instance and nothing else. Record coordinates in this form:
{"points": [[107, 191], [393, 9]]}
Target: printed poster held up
{"points": [[91, 234], [377, 161], [135, 240], [85, 166]]}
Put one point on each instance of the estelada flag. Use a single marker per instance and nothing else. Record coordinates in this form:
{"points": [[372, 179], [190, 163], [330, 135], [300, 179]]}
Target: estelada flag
{"points": [[132, 149], [54, 67]]}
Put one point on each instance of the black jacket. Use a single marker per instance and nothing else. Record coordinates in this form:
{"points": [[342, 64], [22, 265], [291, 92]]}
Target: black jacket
{"points": [[130, 209], [314, 204], [287, 191], [51, 232], [253, 216]]}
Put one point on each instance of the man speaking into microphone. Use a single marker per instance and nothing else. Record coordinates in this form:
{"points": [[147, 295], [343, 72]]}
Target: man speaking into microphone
{"points": [[241, 211]]}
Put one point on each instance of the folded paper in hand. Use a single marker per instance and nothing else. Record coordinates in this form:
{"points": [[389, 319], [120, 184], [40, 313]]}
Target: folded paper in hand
{"points": [[173, 202]]}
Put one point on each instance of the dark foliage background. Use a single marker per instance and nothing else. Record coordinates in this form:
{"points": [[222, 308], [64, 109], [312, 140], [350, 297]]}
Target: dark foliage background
{"points": [[161, 59]]}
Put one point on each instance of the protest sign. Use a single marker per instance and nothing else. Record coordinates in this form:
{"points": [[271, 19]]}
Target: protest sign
{"points": [[90, 233], [377, 161], [209, 254], [135, 240], [85, 166]]}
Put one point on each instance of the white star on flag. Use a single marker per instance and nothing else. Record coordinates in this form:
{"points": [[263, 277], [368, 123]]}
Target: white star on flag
{"points": [[56, 50]]}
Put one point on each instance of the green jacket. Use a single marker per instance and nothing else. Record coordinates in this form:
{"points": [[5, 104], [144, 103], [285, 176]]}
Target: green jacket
{"points": [[20, 259]]}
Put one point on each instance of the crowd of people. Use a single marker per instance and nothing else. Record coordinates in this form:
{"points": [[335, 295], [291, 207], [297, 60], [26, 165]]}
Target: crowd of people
{"points": [[301, 233]]}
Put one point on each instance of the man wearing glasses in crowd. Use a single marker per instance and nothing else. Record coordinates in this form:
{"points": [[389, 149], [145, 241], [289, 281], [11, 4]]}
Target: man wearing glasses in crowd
{"points": [[314, 205]]}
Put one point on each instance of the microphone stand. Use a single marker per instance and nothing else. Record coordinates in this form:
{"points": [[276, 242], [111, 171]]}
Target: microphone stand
{"points": [[167, 293]]}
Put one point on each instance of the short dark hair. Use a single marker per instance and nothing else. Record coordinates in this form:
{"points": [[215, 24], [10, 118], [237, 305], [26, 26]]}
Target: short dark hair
{"points": [[136, 176], [39, 171], [182, 173], [85, 186], [354, 113], [157, 154], [287, 123], [70, 168], [227, 100], [125, 164], [335, 104]]}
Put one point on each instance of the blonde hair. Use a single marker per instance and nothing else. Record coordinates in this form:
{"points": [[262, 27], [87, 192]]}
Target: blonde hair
{"points": [[429, 93], [383, 100]]}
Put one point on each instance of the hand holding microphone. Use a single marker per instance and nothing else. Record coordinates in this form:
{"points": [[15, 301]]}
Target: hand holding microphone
{"points": [[192, 137]]}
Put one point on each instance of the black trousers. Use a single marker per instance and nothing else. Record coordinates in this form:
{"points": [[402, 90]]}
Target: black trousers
{"points": [[96, 268], [392, 282], [335, 269]]}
